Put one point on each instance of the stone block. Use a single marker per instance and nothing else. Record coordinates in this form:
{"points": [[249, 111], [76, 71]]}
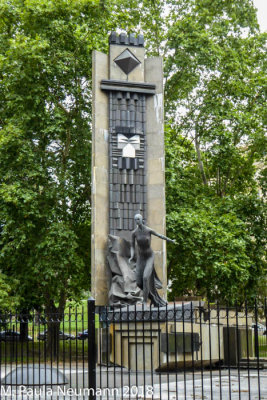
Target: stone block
{"points": [[157, 243], [155, 172], [100, 193], [160, 266], [137, 75], [157, 150], [156, 191], [155, 208], [101, 161], [155, 165], [133, 346]]}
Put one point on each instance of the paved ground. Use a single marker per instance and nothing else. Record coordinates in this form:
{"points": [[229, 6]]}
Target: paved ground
{"points": [[215, 385]]}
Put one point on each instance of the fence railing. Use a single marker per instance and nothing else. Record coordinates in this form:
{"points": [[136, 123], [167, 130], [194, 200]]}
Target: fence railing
{"points": [[186, 350]]}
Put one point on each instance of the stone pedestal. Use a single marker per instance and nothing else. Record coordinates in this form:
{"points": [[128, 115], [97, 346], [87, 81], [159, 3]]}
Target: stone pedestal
{"points": [[238, 344], [149, 347], [135, 346], [173, 337]]}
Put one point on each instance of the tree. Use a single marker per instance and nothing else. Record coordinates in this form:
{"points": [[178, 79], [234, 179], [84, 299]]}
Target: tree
{"points": [[45, 111], [216, 110], [214, 57], [220, 251]]}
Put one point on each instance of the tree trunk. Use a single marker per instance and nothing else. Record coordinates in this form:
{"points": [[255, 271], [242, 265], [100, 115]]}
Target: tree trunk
{"points": [[24, 325], [200, 163], [53, 327], [54, 316], [52, 343]]}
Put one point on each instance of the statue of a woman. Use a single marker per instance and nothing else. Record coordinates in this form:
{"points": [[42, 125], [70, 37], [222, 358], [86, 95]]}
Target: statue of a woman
{"points": [[146, 276]]}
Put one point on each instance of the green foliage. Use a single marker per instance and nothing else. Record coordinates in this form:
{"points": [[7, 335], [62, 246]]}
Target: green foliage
{"points": [[215, 66], [45, 110], [8, 298], [215, 145], [221, 239]]}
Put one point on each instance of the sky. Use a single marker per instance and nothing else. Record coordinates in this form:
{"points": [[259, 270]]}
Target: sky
{"points": [[261, 5]]}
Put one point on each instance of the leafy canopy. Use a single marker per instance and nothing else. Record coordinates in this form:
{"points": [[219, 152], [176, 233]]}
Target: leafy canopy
{"points": [[215, 66], [45, 110], [215, 106]]}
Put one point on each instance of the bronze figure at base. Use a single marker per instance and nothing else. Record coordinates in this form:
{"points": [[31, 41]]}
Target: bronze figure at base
{"points": [[130, 277], [146, 276]]}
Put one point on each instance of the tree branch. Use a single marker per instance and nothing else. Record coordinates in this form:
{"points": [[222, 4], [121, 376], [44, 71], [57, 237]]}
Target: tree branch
{"points": [[200, 162]]}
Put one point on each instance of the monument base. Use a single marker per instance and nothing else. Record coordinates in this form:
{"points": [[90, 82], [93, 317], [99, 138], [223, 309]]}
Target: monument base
{"points": [[141, 338]]}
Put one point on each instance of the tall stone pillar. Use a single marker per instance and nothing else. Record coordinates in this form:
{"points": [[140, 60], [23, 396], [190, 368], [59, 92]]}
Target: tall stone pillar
{"points": [[127, 152]]}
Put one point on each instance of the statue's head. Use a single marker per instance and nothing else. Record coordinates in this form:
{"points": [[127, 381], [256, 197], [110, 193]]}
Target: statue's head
{"points": [[138, 219]]}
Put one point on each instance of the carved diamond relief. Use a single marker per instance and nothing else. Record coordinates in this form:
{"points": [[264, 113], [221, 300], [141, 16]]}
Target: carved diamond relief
{"points": [[127, 61]]}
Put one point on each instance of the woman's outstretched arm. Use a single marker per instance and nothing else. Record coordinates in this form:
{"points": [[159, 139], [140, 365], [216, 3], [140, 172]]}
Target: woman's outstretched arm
{"points": [[162, 236]]}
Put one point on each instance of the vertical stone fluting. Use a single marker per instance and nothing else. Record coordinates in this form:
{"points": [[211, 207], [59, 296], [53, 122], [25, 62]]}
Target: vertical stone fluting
{"points": [[127, 174]]}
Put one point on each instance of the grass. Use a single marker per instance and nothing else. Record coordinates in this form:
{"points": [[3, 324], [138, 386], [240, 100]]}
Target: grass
{"points": [[262, 339], [29, 352], [75, 321], [69, 350]]}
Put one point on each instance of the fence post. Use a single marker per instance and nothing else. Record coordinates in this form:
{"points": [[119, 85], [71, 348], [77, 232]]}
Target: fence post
{"points": [[91, 348], [256, 332]]}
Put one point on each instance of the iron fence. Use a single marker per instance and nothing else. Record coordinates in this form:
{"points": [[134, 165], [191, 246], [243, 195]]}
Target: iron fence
{"points": [[186, 350]]}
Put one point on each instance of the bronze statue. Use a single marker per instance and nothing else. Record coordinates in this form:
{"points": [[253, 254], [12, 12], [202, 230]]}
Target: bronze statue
{"points": [[123, 288], [146, 276]]}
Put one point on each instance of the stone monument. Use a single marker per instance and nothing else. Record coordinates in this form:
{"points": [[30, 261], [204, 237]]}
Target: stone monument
{"points": [[127, 166]]}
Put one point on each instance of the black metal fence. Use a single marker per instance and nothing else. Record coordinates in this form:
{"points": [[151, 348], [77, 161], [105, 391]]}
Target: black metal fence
{"points": [[186, 350]]}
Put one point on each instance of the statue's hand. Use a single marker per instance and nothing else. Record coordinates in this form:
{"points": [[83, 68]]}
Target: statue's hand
{"points": [[130, 260], [173, 241]]}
